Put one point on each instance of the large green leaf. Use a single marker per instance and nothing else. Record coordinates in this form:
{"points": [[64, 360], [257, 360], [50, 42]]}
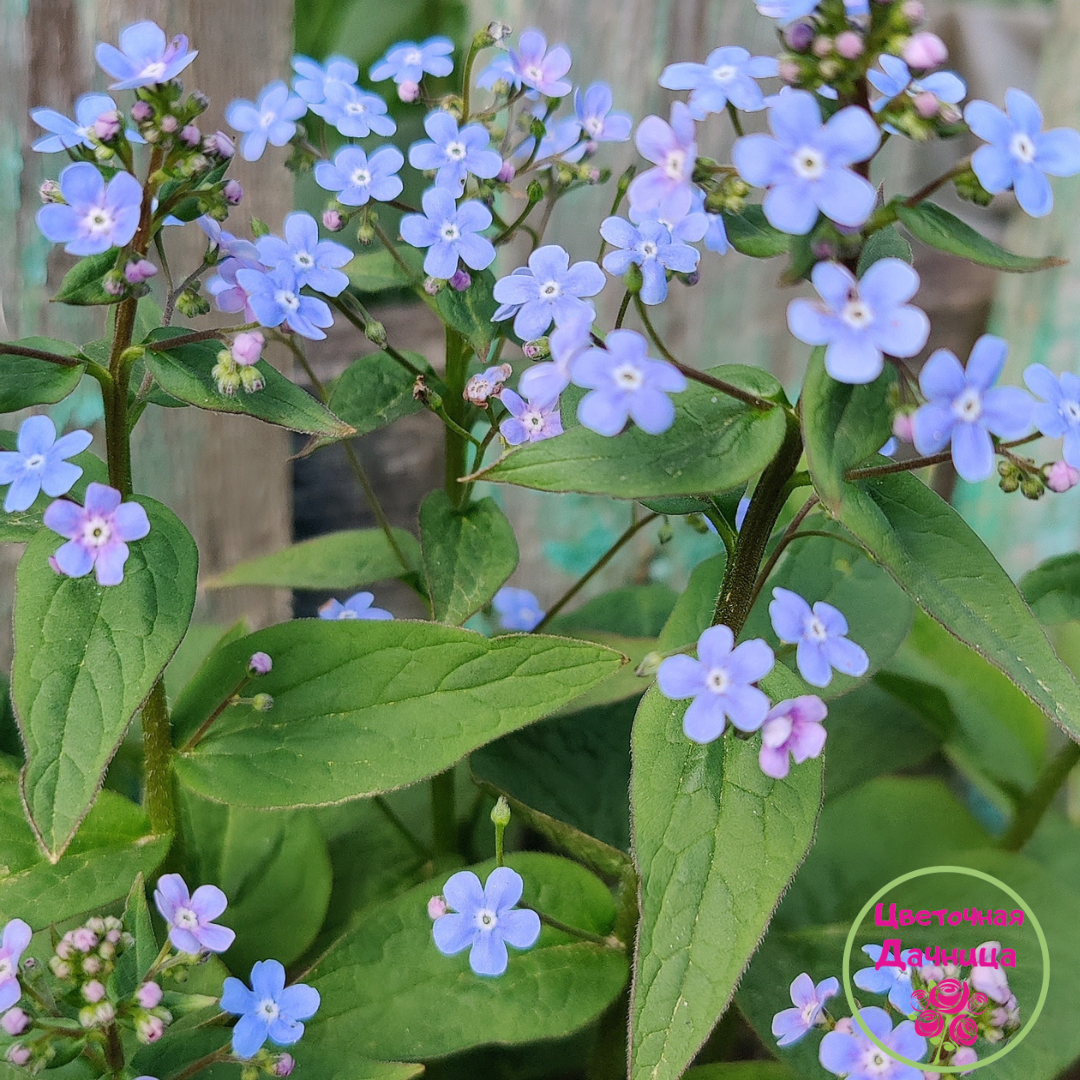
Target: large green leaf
{"points": [[716, 443], [377, 271], [716, 843], [185, 373], [375, 391], [380, 983], [274, 868], [339, 560], [136, 960], [113, 845], [931, 551], [18, 528], [86, 657], [365, 707], [26, 381], [468, 555], [1053, 589], [937, 228], [635, 610], [83, 283], [750, 233]]}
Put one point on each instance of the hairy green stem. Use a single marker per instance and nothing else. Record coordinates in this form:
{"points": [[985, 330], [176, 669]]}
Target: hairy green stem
{"points": [[1030, 812], [574, 931], [160, 796], [457, 369], [204, 1062], [9, 349], [114, 1051]]}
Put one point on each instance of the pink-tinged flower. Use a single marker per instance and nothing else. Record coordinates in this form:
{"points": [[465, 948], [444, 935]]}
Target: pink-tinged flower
{"points": [[538, 68], [95, 216], [546, 381], [436, 907], [190, 915], [139, 270], [15, 939], [145, 57], [149, 995], [98, 533], [260, 664], [1061, 476], [963, 1056], [792, 728], [148, 1029], [852, 1054], [672, 147], [247, 347], [529, 421], [790, 1025], [487, 384], [285, 1063], [15, 1021], [924, 51], [991, 981], [17, 1054]]}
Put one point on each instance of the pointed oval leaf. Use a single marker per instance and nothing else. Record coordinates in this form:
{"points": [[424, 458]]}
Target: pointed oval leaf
{"points": [[749, 233], [376, 390], [716, 443], [366, 707], [1053, 589], [469, 312], [378, 984], [83, 283], [26, 381], [468, 555], [86, 657]]}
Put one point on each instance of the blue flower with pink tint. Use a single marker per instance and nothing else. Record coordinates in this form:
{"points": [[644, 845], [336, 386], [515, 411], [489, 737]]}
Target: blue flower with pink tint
{"points": [[593, 112], [270, 119], [315, 263], [529, 421], [793, 731], [409, 62], [806, 165], [13, 944], [650, 247], [358, 606], [227, 244], [517, 609], [852, 1055], [721, 683], [39, 463], [820, 633], [229, 295], [94, 216], [98, 533], [450, 232], [895, 79], [453, 153], [66, 134], [964, 408], [672, 148], [485, 919], [269, 1010], [728, 75], [356, 178], [544, 382], [625, 384], [809, 1000], [548, 289], [313, 78], [275, 298], [539, 68], [145, 57], [190, 916]]}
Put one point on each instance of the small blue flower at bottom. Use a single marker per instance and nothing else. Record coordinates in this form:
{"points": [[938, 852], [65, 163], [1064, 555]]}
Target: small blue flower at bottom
{"points": [[529, 421], [720, 682], [358, 606], [821, 635], [486, 919], [853, 1055], [269, 1010], [518, 609], [790, 1025], [39, 464]]}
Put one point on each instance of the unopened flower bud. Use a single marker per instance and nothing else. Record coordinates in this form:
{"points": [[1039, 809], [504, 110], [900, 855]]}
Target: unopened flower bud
{"points": [[460, 280], [18, 1055], [408, 91], [191, 304], [50, 192], [169, 124], [190, 136], [139, 270], [106, 950], [366, 233], [233, 192], [251, 380], [486, 385], [829, 69], [94, 991], [91, 965], [691, 279], [433, 286], [375, 332], [259, 664], [823, 45], [107, 126], [284, 1065], [148, 1029], [436, 907], [333, 221], [247, 347], [1060, 476], [913, 11], [249, 1072], [633, 279], [60, 968], [15, 1021], [788, 70], [262, 702], [500, 813], [64, 947], [903, 428], [114, 283], [142, 111], [84, 939], [924, 50], [799, 36], [926, 104], [149, 995], [535, 191], [1032, 487], [537, 349], [506, 173], [850, 45], [226, 373], [497, 31]]}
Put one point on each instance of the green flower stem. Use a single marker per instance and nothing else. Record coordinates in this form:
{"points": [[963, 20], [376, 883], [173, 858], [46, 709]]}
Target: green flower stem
{"points": [[457, 370], [1035, 804], [197, 1066], [623, 308], [114, 1051], [160, 795], [40, 354], [585, 935], [941, 181]]}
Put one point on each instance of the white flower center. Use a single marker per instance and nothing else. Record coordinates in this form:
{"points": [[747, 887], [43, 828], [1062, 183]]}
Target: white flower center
{"points": [[185, 919], [414, 56], [99, 220], [267, 1009], [533, 419], [724, 73], [875, 1063], [815, 629], [7, 968], [857, 313], [154, 71], [450, 231], [594, 126], [287, 299], [968, 406], [628, 377], [810, 1013], [455, 151], [347, 613], [356, 108], [361, 177], [809, 163], [1022, 148], [486, 919], [1071, 411], [550, 290], [304, 260], [534, 73], [675, 164], [267, 118], [648, 249], [34, 463], [717, 680], [96, 532]]}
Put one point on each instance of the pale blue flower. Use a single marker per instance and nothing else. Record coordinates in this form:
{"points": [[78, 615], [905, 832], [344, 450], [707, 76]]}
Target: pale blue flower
{"points": [[66, 133], [270, 119], [792, 1024], [452, 153], [312, 78], [1059, 413], [888, 980], [650, 247], [190, 916], [449, 232], [518, 609], [540, 69], [145, 57], [354, 112], [896, 78], [593, 111], [356, 178], [269, 1010], [852, 1055], [672, 147], [529, 421], [94, 216], [548, 289], [315, 263], [15, 940], [727, 75], [543, 383], [821, 636], [40, 463], [786, 11], [275, 298], [358, 606], [408, 62]]}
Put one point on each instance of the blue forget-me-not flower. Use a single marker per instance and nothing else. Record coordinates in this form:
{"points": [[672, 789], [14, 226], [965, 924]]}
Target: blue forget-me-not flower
{"points": [[272, 118], [727, 75], [358, 606], [790, 1025], [356, 178], [269, 1010], [316, 263], [1058, 414], [453, 153], [650, 247], [94, 216], [145, 57], [449, 231], [517, 609], [408, 62], [548, 289], [40, 463], [820, 633]]}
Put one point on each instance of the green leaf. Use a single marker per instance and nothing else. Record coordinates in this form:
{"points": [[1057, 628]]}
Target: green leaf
{"points": [[82, 284], [26, 381], [886, 243], [937, 228], [1053, 589], [113, 845], [636, 611], [377, 271], [469, 312], [185, 374], [339, 560], [19, 528], [378, 985], [742, 1070], [86, 657], [468, 555], [716, 443], [749, 233], [375, 391], [366, 707], [716, 843], [199, 642], [274, 868], [136, 960]]}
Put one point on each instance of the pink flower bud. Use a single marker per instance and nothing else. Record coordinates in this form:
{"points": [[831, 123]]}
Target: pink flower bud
{"points": [[148, 1029], [798, 36], [788, 70], [823, 45], [284, 1065], [333, 221], [246, 350], [924, 50], [436, 907], [18, 1055], [113, 936], [903, 428], [191, 136], [141, 111], [460, 281], [148, 995], [94, 991], [91, 965], [432, 286], [233, 192], [50, 192], [408, 92], [15, 1021], [139, 270], [537, 349], [107, 126], [926, 104], [1061, 476], [963, 1056], [506, 173], [169, 124], [850, 45], [260, 664], [84, 939], [913, 11], [219, 144]]}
